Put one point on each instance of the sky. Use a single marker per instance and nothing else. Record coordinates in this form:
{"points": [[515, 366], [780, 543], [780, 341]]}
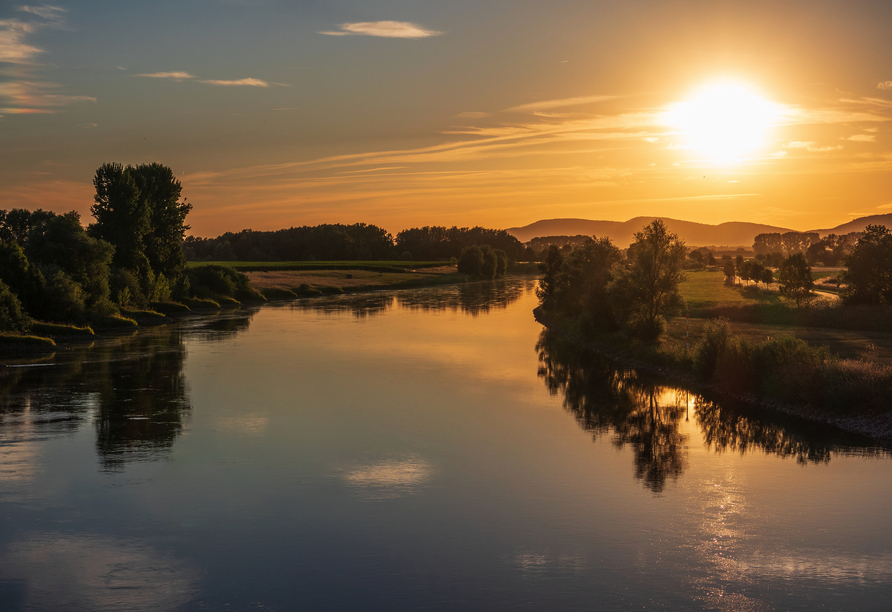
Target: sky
{"points": [[276, 113]]}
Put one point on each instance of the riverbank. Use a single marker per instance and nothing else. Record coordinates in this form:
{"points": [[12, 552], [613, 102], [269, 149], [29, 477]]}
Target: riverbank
{"points": [[877, 426]]}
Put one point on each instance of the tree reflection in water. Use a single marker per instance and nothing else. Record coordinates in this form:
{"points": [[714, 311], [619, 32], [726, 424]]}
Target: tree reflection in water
{"points": [[132, 388], [605, 397], [470, 298]]}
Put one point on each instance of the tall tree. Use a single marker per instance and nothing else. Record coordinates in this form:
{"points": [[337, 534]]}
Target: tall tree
{"points": [[795, 278], [647, 286], [159, 194], [122, 217]]}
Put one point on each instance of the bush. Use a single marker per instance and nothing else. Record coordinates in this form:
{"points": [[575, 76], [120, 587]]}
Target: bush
{"points": [[710, 347], [471, 261], [11, 316]]}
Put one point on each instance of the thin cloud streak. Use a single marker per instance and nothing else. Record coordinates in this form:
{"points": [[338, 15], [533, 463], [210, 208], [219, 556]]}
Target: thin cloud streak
{"points": [[547, 104], [383, 29], [177, 75], [237, 83]]}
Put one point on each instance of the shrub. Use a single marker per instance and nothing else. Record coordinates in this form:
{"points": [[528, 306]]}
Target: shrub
{"points": [[711, 346], [11, 316]]}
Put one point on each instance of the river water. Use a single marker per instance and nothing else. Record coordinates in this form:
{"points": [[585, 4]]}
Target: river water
{"points": [[429, 449]]}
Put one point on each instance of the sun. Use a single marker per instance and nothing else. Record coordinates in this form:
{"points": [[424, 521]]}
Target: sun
{"points": [[724, 121]]}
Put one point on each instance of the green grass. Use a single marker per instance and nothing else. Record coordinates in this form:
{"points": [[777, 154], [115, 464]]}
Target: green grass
{"points": [[169, 308], [704, 289], [227, 302], [143, 315], [28, 342], [60, 329], [277, 293], [199, 304], [113, 323], [255, 266]]}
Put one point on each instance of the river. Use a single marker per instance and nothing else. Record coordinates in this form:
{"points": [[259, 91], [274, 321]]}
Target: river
{"points": [[428, 449]]}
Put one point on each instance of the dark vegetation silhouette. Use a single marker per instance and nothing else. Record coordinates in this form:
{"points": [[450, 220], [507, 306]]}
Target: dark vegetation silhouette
{"points": [[357, 242], [607, 290]]}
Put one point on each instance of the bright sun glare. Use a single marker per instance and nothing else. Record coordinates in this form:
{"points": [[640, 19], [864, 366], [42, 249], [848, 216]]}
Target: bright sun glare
{"points": [[724, 121]]}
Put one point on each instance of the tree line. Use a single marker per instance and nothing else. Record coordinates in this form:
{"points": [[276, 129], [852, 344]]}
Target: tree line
{"points": [[357, 242]]}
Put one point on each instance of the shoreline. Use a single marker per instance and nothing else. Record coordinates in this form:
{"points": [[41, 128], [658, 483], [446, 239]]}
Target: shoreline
{"points": [[879, 428]]}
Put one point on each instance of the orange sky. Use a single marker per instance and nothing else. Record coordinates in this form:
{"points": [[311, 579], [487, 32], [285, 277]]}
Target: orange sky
{"points": [[411, 113]]}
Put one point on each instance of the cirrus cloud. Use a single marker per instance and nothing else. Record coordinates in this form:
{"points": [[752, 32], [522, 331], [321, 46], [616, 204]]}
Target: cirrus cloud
{"points": [[177, 75], [237, 83], [885, 85], [383, 29]]}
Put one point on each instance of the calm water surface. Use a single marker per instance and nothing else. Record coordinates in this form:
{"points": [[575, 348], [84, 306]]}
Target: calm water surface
{"points": [[425, 449]]}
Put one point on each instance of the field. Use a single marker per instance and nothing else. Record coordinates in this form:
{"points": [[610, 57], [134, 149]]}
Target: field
{"points": [[705, 289], [352, 279]]}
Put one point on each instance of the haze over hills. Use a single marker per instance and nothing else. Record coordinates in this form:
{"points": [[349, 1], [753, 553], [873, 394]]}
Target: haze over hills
{"points": [[856, 225], [733, 233]]}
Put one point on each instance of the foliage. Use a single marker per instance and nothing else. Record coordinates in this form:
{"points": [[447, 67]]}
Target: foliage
{"points": [[868, 276], [138, 210], [581, 286], [787, 243], [57, 329], [795, 278], [711, 345], [646, 286], [550, 267], [214, 281], [434, 242], [64, 243], [11, 316], [328, 242]]}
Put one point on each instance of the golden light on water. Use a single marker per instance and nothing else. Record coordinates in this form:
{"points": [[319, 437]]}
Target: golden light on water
{"points": [[724, 121]]}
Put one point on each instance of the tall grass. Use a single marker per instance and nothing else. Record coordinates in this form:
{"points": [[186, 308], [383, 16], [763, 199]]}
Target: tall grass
{"points": [[789, 370]]}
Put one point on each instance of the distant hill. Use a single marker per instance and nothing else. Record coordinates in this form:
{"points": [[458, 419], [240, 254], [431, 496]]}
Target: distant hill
{"points": [[857, 225], [734, 233]]}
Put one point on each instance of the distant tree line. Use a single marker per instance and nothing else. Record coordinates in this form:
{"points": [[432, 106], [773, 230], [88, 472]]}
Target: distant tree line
{"points": [[357, 242]]}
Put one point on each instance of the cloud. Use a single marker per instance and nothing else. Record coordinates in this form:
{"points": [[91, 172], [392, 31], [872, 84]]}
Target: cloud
{"points": [[536, 106], [808, 145], [384, 29], [13, 49], [862, 138], [28, 97], [182, 76], [473, 115], [177, 76], [889, 205], [885, 85], [52, 14], [237, 83]]}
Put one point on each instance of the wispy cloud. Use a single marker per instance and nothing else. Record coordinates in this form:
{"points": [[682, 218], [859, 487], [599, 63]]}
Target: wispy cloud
{"points": [[383, 29], [237, 83], [885, 85], [538, 106], [176, 76], [51, 14], [180, 75], [862, 138], [473, 115], [808, 145], [13, 48]]}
